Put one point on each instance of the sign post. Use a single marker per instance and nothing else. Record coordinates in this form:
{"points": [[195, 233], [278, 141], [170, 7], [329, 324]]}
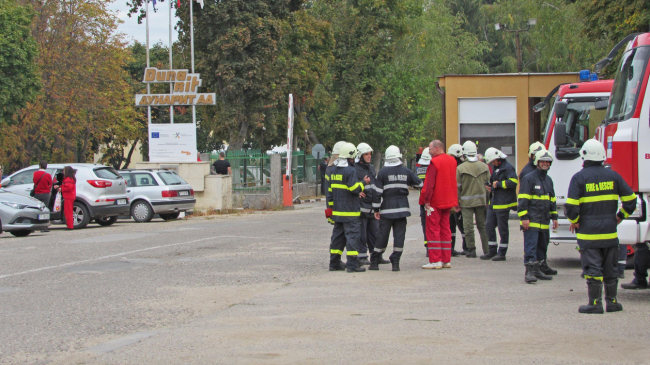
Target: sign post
{"points": [[287, 181]]}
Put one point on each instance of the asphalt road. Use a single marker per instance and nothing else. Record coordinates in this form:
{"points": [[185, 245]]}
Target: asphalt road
{"points": [[254, 288]]}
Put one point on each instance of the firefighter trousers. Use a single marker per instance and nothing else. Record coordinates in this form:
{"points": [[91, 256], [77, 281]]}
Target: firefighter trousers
{"points": [[641, 263], [345, 235], [600, 263], [535, 245], [399, 235], [456, 220], [369, 233], [498, 219], [423, 222], [439, 236]]}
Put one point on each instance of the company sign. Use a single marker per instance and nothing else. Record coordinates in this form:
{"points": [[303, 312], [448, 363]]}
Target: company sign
{"points": [[185, 89]]}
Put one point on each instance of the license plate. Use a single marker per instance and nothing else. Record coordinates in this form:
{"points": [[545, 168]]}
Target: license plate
{"points": [[121, 201], [182, 193], [43, 217]]}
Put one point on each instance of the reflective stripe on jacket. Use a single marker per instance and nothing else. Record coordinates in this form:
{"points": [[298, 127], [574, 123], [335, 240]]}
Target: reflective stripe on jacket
{"points": [[343, 191], [392, 186], [593, 202], [471, 179], [504, 196], [537, 201], [371, 202]]}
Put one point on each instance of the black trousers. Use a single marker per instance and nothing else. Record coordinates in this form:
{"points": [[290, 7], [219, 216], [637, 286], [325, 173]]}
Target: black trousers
{"points": [[600, 263], [399, 235], [456, 220], [423, 222], [346, 236], [641, 263], [498, 219], [369, 233]]}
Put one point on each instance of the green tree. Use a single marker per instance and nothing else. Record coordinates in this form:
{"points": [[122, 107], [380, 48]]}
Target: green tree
{"points": [[615, 19], [19, 77]]}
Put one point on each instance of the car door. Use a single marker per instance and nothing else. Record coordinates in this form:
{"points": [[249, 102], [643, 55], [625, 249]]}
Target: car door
{"points": [[130, 185], [22, 182]]}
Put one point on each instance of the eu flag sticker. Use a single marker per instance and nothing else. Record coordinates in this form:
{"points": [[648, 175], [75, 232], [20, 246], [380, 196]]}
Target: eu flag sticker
{"points": [[155, 134]]}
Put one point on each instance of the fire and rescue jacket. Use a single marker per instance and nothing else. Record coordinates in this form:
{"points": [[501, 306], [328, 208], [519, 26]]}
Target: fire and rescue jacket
{"points": [[504, 196], [421, 171], [537, 201], [471, 178], [392, 186], [372, 200], [343, 193], [530, 167], [593, 203]]}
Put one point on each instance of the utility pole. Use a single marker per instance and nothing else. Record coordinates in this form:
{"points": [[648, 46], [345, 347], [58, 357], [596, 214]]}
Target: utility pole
{"points": [[499, 26]]}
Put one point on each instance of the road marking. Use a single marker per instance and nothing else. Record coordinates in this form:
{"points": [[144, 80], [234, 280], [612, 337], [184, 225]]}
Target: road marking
{"points": [[117, 254]]}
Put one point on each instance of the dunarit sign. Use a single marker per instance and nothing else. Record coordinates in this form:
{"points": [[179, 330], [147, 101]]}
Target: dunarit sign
{"points": [[185, 89]]}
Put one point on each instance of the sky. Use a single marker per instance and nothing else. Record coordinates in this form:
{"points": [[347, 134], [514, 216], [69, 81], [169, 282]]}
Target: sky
{"points": [[158, 23]]}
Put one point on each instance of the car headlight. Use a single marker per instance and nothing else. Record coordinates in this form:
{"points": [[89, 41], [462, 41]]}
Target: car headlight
{"points": [[15, 205]]}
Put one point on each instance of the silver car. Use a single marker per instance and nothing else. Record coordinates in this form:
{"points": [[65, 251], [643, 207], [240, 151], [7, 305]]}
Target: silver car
{"points": [[159, 192], [101, 192], [21, 215]]}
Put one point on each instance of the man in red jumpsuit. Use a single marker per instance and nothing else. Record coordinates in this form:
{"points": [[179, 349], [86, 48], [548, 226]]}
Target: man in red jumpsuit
{"points": [[439, 195]]}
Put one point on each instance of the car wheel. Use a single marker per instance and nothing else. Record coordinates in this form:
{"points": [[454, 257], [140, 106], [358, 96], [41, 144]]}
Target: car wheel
{"points": [[141, 211], [80, 216], [170, 216], [21, 233], [106, 221]]}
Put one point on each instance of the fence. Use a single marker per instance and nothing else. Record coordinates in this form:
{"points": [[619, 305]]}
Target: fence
{"points": [[251, 169]]}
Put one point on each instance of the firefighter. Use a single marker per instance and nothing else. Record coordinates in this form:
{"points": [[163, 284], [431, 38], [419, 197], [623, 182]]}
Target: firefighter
{"points": [[536, 208], [343, 192], [392, 184], [369, 201], [530, 166], [421, 171], [641, 263], [591, 207], [330, 165], [503, 188], [456, 218]]}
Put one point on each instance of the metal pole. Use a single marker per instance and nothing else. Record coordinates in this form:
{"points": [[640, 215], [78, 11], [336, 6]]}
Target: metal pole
{"points": [[171, 88], [148, 85], [192, 52], [518, 44]]}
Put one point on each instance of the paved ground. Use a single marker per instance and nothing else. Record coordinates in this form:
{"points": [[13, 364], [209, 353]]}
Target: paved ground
{"points": [[254, 288]]}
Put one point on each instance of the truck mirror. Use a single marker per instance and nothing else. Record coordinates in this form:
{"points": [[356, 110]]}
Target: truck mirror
{"points": [[601, 104], [560, 108], [560, 134]]}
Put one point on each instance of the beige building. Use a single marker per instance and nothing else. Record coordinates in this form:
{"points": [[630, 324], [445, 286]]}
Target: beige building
{"points": [[497, 110]]}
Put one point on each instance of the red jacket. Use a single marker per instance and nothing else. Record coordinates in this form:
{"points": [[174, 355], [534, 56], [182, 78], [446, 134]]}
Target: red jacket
{"points": [[44, 181], [440, 189], [69, 189]]}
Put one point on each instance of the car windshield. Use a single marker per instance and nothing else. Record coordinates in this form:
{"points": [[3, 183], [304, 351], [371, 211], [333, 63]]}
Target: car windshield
{"points": [[629, 77], [107, 173], [170, 178]]}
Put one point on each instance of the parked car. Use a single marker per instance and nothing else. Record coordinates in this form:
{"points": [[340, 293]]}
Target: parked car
{"points": [[21, 215], [159, 192], [101, 192]]}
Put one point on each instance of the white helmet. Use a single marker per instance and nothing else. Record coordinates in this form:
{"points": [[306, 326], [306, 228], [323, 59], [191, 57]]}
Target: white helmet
{"points": [[543, 155], [455, 150], [493, 154], [363, 148], [593, 150], [337, 147], [469, 148], [348, 150], [535, 147], [425, 158], [392, 152]]}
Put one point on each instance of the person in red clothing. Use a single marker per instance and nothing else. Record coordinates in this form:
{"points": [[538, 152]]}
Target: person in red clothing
{"points": [[69, 194], [42, 186], [439, 195]]}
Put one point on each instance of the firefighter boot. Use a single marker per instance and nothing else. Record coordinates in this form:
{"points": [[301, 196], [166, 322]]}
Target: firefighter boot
{"points": [[335, 263], [621, 271], [611, 303], [635, 284], [595, 290], [363, 261], [394, 259], [471, 253], [543, 266], [383, 261], [491, 253], [374, 261], [538, 272], [353, 265], [529, 277]]}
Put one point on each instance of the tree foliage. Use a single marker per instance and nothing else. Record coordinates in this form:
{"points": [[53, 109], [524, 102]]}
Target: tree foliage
{"points": [[19, 78]]}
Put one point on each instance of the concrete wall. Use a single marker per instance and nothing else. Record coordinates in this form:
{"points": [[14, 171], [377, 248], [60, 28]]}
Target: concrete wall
{"points": [[270, 200]]}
